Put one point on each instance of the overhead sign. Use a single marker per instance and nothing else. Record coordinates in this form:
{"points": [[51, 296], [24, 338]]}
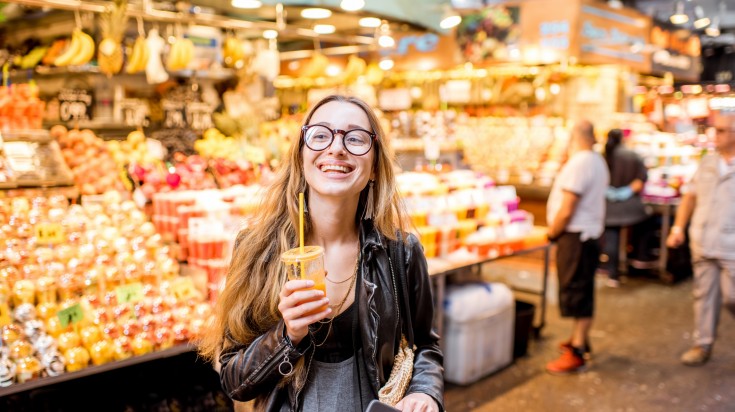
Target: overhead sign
{"points": [[611, 36], [678, 52]]}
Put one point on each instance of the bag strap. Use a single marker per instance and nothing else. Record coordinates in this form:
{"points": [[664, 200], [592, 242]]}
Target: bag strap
{"points": [[396, 250]]}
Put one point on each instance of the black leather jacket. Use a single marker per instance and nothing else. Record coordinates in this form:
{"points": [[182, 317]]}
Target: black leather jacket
{"points": [[251, 371]]}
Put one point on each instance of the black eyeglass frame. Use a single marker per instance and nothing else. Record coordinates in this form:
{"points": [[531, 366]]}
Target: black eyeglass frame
{"points": [[344, 133]]}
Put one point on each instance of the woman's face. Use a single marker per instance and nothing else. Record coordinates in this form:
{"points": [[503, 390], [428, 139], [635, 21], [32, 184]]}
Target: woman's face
{"points": [[335, 172]]}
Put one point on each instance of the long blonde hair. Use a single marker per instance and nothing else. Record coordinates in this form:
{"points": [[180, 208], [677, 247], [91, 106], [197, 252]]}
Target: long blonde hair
{"points": [[248, 305]]}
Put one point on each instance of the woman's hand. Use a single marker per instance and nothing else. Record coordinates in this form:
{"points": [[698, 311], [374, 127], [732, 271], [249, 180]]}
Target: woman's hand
{"points": [[299, 305], [418, 402]]}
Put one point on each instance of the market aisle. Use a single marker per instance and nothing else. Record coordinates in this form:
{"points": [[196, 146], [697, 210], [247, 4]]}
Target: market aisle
{"points": [[640, 332]]}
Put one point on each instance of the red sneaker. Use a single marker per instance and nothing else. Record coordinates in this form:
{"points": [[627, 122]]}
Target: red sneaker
{"points": [[568, 362], [565, 346]]}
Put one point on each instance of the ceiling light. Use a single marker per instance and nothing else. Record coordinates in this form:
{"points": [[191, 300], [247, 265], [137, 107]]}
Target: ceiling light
{"points": [[315, 13], [714, 29], [370, 22], [450, 19], [679, 17], [352, 5], [616, 4], [702, 21], [246, 4], [386, 64], [386, 41], [324, 28], [270, 34]]}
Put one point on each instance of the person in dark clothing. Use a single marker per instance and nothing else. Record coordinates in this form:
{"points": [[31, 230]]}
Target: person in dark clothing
{"points": [[628, 174], [287, 346]]}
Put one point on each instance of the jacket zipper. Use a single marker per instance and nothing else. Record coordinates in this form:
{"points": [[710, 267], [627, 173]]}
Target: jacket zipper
{"points": [[266, 367], [395, 301]]}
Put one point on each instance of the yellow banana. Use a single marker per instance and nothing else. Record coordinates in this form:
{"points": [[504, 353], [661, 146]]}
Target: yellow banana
{"points": [[316, 66], [173, 58], [139, 57], [182, 51], [87, 49], [71, 52], [188, 52], [355, 68], [374, 74]]}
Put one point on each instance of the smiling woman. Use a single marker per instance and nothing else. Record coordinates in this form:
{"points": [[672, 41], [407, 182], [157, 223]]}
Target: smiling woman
{"points": [[269, 332]]}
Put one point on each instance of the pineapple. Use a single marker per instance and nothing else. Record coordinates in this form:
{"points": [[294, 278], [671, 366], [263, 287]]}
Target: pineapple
{"points": [[112, 23]]}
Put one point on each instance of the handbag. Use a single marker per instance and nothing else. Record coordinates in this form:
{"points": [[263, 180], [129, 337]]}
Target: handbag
{"points": [[400, 376]]}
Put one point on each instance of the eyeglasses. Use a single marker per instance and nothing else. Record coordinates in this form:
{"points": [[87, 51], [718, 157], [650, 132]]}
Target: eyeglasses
{"points": [[356, 141]]}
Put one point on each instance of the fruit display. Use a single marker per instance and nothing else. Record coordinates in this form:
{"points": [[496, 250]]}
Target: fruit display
{"points": [[7, 178], [92, 165], [83, 285], [354, 69], [173, 211], [80, 50], [186, 173], [20, 107], [215, 145], [464, 209], [229, 173], [110, 50], [515, 150], [176, 141], [132, 151], [35, 159]]}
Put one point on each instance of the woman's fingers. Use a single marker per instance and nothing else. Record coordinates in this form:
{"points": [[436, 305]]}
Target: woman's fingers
{"points": [[305, 321], [293, 285]]}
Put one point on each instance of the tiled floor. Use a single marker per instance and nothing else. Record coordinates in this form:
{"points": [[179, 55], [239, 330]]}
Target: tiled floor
{"points": [[639, 333]]}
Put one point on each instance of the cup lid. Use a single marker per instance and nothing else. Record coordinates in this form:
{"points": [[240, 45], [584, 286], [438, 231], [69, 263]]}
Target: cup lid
{"points": [[295, 255]]}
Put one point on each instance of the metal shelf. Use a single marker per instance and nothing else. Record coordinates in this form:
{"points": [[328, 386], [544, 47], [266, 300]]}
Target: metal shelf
{"points": [[93, 370]]}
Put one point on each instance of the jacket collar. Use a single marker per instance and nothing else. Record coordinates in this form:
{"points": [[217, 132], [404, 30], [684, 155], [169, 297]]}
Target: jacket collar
{"points": [[370, 238]]}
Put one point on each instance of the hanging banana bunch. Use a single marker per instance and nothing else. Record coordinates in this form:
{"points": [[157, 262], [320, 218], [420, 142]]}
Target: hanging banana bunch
{"points": [[138, 59], [112, 23], [80, 49], [354, 69], [181, 52], [233, 51]]}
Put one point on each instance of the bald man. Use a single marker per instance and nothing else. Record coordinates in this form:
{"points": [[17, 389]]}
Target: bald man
{"points": [[710, 203], [576, 217]]}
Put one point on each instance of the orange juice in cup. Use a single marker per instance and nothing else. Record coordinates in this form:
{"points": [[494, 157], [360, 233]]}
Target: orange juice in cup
{"points": [[307, 263]]}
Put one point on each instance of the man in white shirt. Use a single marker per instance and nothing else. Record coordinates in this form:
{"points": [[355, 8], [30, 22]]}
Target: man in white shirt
{"points": [[710, 203], [576, 216]]}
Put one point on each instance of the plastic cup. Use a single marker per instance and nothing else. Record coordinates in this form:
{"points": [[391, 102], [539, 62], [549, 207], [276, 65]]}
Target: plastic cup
{"points": [[311, 261]]}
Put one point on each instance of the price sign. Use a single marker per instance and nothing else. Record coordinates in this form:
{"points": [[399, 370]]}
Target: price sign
{"points": [[173, 114], [254, 154], [184, 289], [135, 112], [132, 292], [199, 116], [70, 315], [75, 104], [49, 233]]}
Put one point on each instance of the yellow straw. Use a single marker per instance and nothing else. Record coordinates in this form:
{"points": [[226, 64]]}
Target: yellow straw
{"points": [[301, 232], [301, 222]]}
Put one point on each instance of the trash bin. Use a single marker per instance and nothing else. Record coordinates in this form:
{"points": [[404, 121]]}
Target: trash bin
{"points": [[478, 331], [524, 323]]}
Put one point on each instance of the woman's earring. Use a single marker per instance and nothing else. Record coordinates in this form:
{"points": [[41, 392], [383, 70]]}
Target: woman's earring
{"points": [[369, 206]]}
